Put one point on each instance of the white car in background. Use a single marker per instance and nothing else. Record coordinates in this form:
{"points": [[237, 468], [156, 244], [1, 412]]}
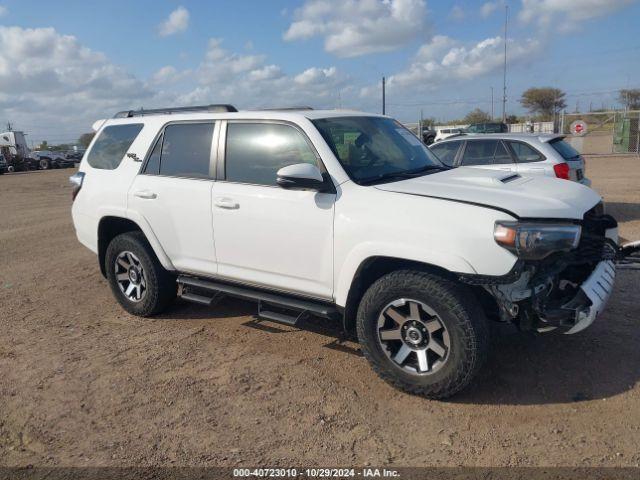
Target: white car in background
{"points": [[527, 154], [446, 133]]}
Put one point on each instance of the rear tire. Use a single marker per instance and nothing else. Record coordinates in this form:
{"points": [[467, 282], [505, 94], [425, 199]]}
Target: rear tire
{"points": [[136, 277], [44, 164], [422, 333]]}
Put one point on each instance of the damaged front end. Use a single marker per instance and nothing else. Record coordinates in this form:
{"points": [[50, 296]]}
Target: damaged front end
{"points": [[564, 290]]}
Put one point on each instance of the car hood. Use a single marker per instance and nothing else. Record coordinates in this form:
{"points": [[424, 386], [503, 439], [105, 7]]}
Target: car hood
{"points": [[524, 197]]}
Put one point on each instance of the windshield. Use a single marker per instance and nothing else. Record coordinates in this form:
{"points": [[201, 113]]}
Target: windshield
{"points": [[564, 149], [376, 149]]}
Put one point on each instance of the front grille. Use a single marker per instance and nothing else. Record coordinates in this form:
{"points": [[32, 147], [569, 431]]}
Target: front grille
{"points": [[593, 239]]}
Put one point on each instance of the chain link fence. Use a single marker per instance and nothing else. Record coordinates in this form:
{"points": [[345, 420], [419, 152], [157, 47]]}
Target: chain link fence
{"points": [[602, 133]]}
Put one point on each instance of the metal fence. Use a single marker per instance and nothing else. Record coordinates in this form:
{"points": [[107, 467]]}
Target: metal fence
{"points": [[605, 132]]}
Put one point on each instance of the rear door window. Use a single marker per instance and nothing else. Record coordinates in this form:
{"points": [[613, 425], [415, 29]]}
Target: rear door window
{"points": [[485, 152], [525, 153], [185, 151], [111, 145], [446, 152]]}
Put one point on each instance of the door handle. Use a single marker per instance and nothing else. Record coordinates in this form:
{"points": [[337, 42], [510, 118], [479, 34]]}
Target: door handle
{"points": [[226, 203], [147, 194]]}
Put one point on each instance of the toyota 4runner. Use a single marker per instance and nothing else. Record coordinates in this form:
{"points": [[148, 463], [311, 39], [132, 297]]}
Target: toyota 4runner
{"points": [[342, 215]]}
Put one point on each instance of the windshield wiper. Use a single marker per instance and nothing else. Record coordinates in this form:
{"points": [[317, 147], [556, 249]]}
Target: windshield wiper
{"points": [[401, 175]]}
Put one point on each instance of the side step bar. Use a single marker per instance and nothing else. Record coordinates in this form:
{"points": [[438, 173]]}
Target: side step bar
{"points": [[208, 290]]}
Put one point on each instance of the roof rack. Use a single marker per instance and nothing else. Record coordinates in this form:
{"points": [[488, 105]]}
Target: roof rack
{"points": [[167, 111], [302, 107]]}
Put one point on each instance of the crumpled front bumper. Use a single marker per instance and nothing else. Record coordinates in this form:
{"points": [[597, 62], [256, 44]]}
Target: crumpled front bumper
{"points": [[597, 289]]}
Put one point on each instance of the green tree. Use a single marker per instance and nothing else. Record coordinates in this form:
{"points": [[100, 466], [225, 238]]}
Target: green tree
{"points": [[630, 98], [512, 119], [477, 116], [85, 139], [544, 102]]}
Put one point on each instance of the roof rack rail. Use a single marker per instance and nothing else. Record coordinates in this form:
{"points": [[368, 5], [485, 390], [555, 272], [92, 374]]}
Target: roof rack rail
{"points": [[301, 107], [167, 111]]}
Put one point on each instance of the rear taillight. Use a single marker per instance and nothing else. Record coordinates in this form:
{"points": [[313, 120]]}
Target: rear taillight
{"points": [[76, 182], [562, 170]]}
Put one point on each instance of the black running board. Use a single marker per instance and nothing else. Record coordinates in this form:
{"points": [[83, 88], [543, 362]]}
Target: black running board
{"points": [[206, 291]]}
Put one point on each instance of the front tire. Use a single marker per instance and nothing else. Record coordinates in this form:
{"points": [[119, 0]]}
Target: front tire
{"points": [[136, 277], [422, 333]]}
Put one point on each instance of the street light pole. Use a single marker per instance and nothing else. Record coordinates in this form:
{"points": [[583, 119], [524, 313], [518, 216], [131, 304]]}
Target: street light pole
{"points": [[492, 114], [504, 76], [383, 97]]}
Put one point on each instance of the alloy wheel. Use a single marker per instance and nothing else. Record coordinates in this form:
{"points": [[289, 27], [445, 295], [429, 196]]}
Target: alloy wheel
{"points": [[413, 336], [130, 276]]}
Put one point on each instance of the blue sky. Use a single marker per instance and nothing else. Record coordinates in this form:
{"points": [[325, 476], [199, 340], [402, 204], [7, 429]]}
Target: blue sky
{"points": [[65, 64]]}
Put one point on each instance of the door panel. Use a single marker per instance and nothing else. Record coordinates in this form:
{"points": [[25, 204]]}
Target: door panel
{"points": [[179, 212], [274, 237], [174, 195]]}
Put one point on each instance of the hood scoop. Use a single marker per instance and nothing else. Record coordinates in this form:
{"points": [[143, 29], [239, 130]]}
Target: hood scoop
{"points": [[491, 180], [510, 178]]}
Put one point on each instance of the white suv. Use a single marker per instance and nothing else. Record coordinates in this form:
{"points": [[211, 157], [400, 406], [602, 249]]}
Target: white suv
{"points": [[343, 215]]}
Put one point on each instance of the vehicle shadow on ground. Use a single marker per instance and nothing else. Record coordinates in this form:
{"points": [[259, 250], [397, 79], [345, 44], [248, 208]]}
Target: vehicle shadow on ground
{"points": [[624, 212], [232, 307], [528, 369], [522, 368]]}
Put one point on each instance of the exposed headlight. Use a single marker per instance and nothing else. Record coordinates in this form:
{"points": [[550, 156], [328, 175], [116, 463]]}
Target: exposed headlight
{"points": [[535, 241]]}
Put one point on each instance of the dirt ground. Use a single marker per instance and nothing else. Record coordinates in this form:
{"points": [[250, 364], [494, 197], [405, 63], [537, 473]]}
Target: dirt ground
{"points": [[82, 383]]}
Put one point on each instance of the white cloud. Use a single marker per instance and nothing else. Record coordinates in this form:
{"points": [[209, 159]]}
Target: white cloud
{"points": [[457, 13], [314, 75], [3, 11], [51, 77], [168, 75], [249, 80], [177, 22], [567, 14], [358, 27], [488, 8], [433, 49], [444, 61], [66, 86]]}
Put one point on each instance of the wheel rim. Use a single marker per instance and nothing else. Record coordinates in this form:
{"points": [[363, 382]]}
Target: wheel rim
{"points": [[130, 276], [413, 336]]}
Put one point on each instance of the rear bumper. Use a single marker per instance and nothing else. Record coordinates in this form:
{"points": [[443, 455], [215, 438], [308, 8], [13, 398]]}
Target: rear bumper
{"points": [[585, 181]]}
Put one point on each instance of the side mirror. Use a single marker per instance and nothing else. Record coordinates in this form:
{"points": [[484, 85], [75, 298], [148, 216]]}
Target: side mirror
{"points": [[301, 176]]}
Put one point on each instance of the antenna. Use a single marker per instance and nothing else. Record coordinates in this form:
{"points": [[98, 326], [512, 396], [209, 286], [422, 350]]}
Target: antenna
{"points": [[504, 76]]}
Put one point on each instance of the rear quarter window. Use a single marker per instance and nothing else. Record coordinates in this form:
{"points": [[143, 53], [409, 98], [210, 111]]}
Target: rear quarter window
{"points": [[564, 149], [111, 145], [525, 153]]}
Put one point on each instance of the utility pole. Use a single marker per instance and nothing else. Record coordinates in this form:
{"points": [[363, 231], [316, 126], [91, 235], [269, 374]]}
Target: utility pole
{"points": [[384, 109], [492, 114], [420, 127], [504, 76], [9, 127]]}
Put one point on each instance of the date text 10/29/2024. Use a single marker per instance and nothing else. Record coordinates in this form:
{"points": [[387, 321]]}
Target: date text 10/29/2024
{"points": [[316, 472]]}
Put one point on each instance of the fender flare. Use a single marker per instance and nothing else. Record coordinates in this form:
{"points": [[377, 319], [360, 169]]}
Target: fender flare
{"points": [[362, 253], [151, 238]]}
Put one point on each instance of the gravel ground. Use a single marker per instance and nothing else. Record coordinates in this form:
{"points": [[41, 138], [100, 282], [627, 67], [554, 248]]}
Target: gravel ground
{"points": [[82, 383]]}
